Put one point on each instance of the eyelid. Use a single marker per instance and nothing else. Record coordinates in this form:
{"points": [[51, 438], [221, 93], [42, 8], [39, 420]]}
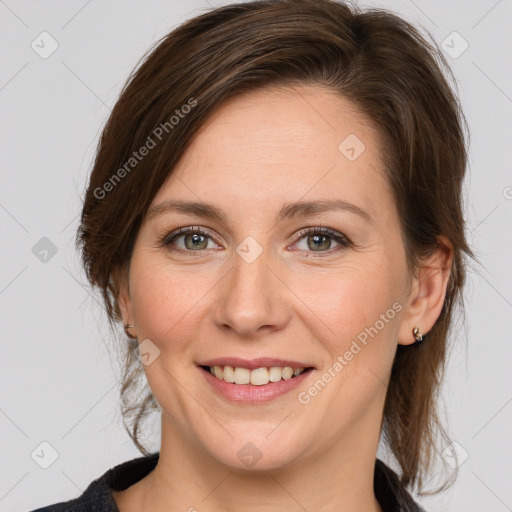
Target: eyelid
{"points": [[320, 229], [184, 230], [166, 241]]}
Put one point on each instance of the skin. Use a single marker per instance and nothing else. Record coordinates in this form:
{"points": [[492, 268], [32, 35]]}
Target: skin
{"points": [[258, 151]]}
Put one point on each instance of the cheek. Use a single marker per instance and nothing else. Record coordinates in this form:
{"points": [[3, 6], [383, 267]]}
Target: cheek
{"points": [[336, 304], [349, 299], [164, 299], [360, 306]]}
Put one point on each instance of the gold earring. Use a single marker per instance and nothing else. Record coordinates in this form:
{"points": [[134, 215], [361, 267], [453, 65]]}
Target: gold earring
{"points": [[126, 327], [417, 334]]}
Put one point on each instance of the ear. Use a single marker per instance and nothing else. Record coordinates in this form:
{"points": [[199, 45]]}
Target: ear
{"points": [[427, 292], [121, 277]]}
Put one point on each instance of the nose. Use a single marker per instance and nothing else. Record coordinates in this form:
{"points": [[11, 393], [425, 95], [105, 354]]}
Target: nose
{"points": [[253, 299]]}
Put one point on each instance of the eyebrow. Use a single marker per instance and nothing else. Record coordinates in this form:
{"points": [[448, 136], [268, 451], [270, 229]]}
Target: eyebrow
{"points": [[287, 211]]}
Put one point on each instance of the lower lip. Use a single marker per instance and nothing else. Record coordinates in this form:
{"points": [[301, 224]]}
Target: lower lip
{"points": [[251, 394]]}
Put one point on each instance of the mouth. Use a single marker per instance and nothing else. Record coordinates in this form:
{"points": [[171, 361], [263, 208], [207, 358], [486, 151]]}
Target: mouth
{"points": [[256, 372]]}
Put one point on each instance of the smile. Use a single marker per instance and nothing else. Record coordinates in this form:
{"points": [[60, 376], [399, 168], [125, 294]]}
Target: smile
{"points": [[257, 377], [253, 381]]}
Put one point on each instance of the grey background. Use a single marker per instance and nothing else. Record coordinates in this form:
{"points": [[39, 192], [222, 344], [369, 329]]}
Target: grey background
{"points": [[58, 373]]}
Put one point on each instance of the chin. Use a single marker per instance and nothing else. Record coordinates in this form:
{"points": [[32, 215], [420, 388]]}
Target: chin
{"points": [[256, 453]]}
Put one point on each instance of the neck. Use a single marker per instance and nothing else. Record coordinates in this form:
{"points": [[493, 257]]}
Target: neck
{"points": [[185, 479]]}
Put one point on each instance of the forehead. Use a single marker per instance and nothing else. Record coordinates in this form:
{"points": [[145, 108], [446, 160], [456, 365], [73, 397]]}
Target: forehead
{"points": [[282, 145]]}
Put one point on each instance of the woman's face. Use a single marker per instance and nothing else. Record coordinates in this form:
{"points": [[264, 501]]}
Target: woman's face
{"points": [[252, 283]]}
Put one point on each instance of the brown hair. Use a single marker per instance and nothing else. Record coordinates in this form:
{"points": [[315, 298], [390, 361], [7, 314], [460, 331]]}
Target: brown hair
{"points": [[373, 58]]}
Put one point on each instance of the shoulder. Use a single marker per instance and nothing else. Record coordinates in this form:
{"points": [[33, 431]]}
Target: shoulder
{"points": [[390, 493], [98, 495]]}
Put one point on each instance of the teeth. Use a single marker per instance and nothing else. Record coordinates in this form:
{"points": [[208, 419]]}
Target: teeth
{"points": [[257, 377], [275, 374], [287, 373], [229, 374], [242, 376]]}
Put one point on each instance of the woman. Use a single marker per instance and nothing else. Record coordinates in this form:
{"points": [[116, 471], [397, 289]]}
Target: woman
{"points": [[274, 215]]}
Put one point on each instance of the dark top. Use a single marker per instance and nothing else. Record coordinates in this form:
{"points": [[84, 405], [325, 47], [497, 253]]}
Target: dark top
{"points": [[390, 494]]}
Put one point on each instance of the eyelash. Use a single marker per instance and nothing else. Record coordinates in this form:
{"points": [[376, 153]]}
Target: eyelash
{"points": [[167, 240]]}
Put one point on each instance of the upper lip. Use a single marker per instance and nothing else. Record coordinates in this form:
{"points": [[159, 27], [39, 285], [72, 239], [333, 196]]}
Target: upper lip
{"points": [[252, 364]]}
